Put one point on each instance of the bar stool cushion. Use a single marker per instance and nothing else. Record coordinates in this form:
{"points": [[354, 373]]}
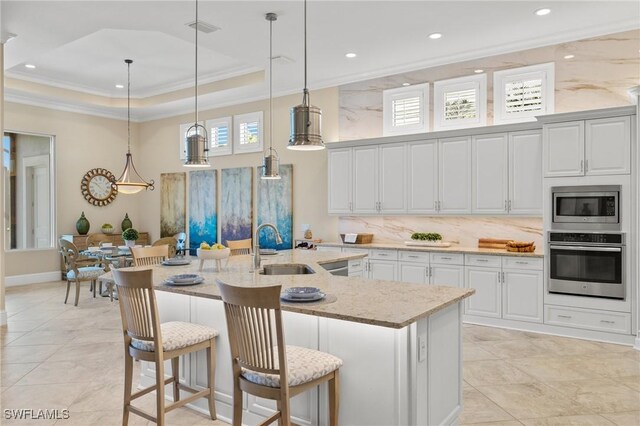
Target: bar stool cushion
{"points": [[303, 365], [86, 272], [177, 335]]}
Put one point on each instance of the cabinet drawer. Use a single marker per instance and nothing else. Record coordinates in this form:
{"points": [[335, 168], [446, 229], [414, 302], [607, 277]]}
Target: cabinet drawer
{"points": [[356, 265], [480, 260], [447, 258], [384, 254], [414, 256], [522, 263], [355, 250], [614, 322]]}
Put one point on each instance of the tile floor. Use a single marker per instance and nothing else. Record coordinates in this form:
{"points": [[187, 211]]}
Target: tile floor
{"points": [[60, 356]]}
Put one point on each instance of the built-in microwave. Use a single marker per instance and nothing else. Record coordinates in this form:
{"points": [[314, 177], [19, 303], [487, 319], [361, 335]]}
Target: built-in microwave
{"points": [[586, 208]]}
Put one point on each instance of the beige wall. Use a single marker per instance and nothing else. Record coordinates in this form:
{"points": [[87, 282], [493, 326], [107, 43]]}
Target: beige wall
{"points": [[159, 148], [82, 142], [3, 314]]}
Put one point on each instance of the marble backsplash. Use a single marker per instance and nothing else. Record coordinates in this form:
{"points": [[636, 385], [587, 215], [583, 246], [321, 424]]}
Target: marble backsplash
{"points": [[464, 230], [598, 76]]}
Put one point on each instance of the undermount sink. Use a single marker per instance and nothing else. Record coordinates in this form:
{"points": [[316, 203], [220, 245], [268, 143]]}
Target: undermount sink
{"points": [[287, 269]]}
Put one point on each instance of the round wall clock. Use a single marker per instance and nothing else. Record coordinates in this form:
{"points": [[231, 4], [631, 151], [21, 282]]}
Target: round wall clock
{"points": [[99, 187]]}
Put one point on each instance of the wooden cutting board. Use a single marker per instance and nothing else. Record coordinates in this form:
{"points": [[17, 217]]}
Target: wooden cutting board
{"points": [[492, 243]]}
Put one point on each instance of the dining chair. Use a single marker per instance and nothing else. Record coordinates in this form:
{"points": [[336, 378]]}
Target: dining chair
{"points": [[96, 239], [147, 256], [260, 367], [239, 246], [171, 242], [79, 268], [146, 339]]}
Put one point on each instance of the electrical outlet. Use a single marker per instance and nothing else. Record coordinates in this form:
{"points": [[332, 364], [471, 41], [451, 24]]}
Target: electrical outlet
{"points": [[422, 348]]}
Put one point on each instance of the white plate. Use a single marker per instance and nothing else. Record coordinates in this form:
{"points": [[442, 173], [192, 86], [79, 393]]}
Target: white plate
{"points": [[286, 297], [180, 278], [419, 243], [196, 281], [178, 262]]}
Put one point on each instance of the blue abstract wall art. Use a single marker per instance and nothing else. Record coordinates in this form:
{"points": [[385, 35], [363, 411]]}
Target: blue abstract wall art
{"points": [[203, 219], [275, 205], [236, 204]]}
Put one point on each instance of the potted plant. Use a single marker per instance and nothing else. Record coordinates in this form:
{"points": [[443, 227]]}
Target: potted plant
{"points": [[130, 236], [107, 228]]}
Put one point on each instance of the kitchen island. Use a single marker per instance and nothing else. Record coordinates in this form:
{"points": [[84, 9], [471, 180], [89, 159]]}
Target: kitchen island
{"points": [[400, 343]]}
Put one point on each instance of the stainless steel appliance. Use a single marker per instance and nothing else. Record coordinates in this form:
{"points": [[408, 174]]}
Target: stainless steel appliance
{"points": [[587, 264], [595, 207], [340, 268]]}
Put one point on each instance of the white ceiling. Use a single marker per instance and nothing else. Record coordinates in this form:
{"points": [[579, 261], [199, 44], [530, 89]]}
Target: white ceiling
{"points": [[81, 45]]}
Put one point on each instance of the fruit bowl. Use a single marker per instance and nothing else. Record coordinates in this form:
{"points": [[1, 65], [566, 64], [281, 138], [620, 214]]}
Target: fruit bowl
{"points": [[217, 254]]}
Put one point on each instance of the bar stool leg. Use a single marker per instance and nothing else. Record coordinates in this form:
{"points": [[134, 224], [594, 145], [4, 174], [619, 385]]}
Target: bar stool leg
{"points": [[334, 399], [211, 378], [175, 371], [128, 379], [160, 391]]}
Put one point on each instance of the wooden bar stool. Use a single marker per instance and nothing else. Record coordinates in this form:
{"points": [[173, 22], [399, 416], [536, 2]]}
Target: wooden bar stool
{"points": [[147, 256], [254, 323], [143, 333]]}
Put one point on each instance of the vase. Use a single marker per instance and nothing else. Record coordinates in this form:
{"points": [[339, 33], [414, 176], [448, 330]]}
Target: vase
{"points": [[126, 222], [129, 243], [83, 225]]}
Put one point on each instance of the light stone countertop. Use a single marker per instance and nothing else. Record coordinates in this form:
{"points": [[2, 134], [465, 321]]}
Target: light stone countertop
{"points": [[452, 249], [390, 304]]}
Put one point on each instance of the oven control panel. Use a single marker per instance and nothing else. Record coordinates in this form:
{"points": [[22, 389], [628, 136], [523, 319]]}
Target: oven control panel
{"points": [[593, 238]]}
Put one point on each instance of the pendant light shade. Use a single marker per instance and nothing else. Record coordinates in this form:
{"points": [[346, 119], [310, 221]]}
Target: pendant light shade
{"points": [[306, 119], [196, 142], [130, 181], [271, 162]]}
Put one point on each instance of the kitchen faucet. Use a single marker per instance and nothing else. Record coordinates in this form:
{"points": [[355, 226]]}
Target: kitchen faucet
{"points": [[256, 245]]}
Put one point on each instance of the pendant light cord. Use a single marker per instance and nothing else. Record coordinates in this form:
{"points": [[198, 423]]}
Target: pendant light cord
{"points": [[128, 61], [196, 78], [270, 85], [305, 98]]}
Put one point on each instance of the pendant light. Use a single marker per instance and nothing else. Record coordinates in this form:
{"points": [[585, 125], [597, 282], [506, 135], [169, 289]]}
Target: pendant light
{"points": [[306, 120], [196, 143], [271, 162], [130, 181]]}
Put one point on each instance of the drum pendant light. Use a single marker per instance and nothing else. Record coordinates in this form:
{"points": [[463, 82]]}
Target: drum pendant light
{"points": [[306, 120], [130, 181], [271, 162], [196, 143]]}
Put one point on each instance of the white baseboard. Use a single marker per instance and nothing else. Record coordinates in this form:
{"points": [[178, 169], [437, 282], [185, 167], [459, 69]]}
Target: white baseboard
{"points": [[3, 317], [42, 277]]}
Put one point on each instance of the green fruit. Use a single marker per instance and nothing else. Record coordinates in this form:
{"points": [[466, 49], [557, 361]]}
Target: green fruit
{"points": [[430, 236]]}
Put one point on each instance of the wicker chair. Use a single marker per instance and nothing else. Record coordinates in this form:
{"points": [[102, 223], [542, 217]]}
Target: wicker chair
{"points": [[96, 239], [79, 268], [171, 242]]}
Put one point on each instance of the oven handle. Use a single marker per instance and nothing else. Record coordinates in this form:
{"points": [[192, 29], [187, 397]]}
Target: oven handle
{"points": [[582, 248]]}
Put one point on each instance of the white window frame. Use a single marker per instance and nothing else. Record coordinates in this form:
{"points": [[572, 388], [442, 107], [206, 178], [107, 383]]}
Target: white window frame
{"points": [[545, 72], [478, 83], [238, 148], [390, 95], [219, 122], [183, 132]]}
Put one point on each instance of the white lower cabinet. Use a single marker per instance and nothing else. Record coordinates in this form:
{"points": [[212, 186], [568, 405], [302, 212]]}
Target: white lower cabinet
{"points": [[450, 275], [383, 269], [356, 267], [510, 288], [413, 273]]}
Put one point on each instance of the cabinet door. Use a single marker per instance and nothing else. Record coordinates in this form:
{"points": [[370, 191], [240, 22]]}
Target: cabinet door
{"points": [[450, 275], [563, 149], [454, 169], [365, 180], [522, 295], [608, 146], [393, 179], [489, 173], [413, 273], [525, 173], [339, 181], [383, 270], [486, 301], [422, 166]]}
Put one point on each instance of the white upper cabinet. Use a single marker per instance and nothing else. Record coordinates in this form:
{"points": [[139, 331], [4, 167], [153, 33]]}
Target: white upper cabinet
{"points": [[489, 169], [339, 181], [365, 180], [608, 146], [563, 149], [422, 179], [454, 175], [525, 173], [592, 147], [392, 177]]}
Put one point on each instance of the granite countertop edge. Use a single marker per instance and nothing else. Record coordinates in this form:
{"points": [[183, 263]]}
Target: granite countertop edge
{"points": [[452, 249]]}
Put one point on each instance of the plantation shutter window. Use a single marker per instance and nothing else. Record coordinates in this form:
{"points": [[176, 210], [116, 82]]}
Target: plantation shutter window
{"points": [[405, 110], [520, 94], [220, 142], [248, 132], [460, 102]]}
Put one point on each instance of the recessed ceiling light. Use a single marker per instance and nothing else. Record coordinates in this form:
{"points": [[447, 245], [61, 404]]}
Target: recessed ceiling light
{"points": [[30, 66], [119, 86], [543, 11], [350, 55], [569, 56], [406, 84], [478, 71], [435, 36]]}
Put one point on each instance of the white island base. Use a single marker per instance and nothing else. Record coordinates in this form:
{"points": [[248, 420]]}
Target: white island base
{"points": [[407, 376]]}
